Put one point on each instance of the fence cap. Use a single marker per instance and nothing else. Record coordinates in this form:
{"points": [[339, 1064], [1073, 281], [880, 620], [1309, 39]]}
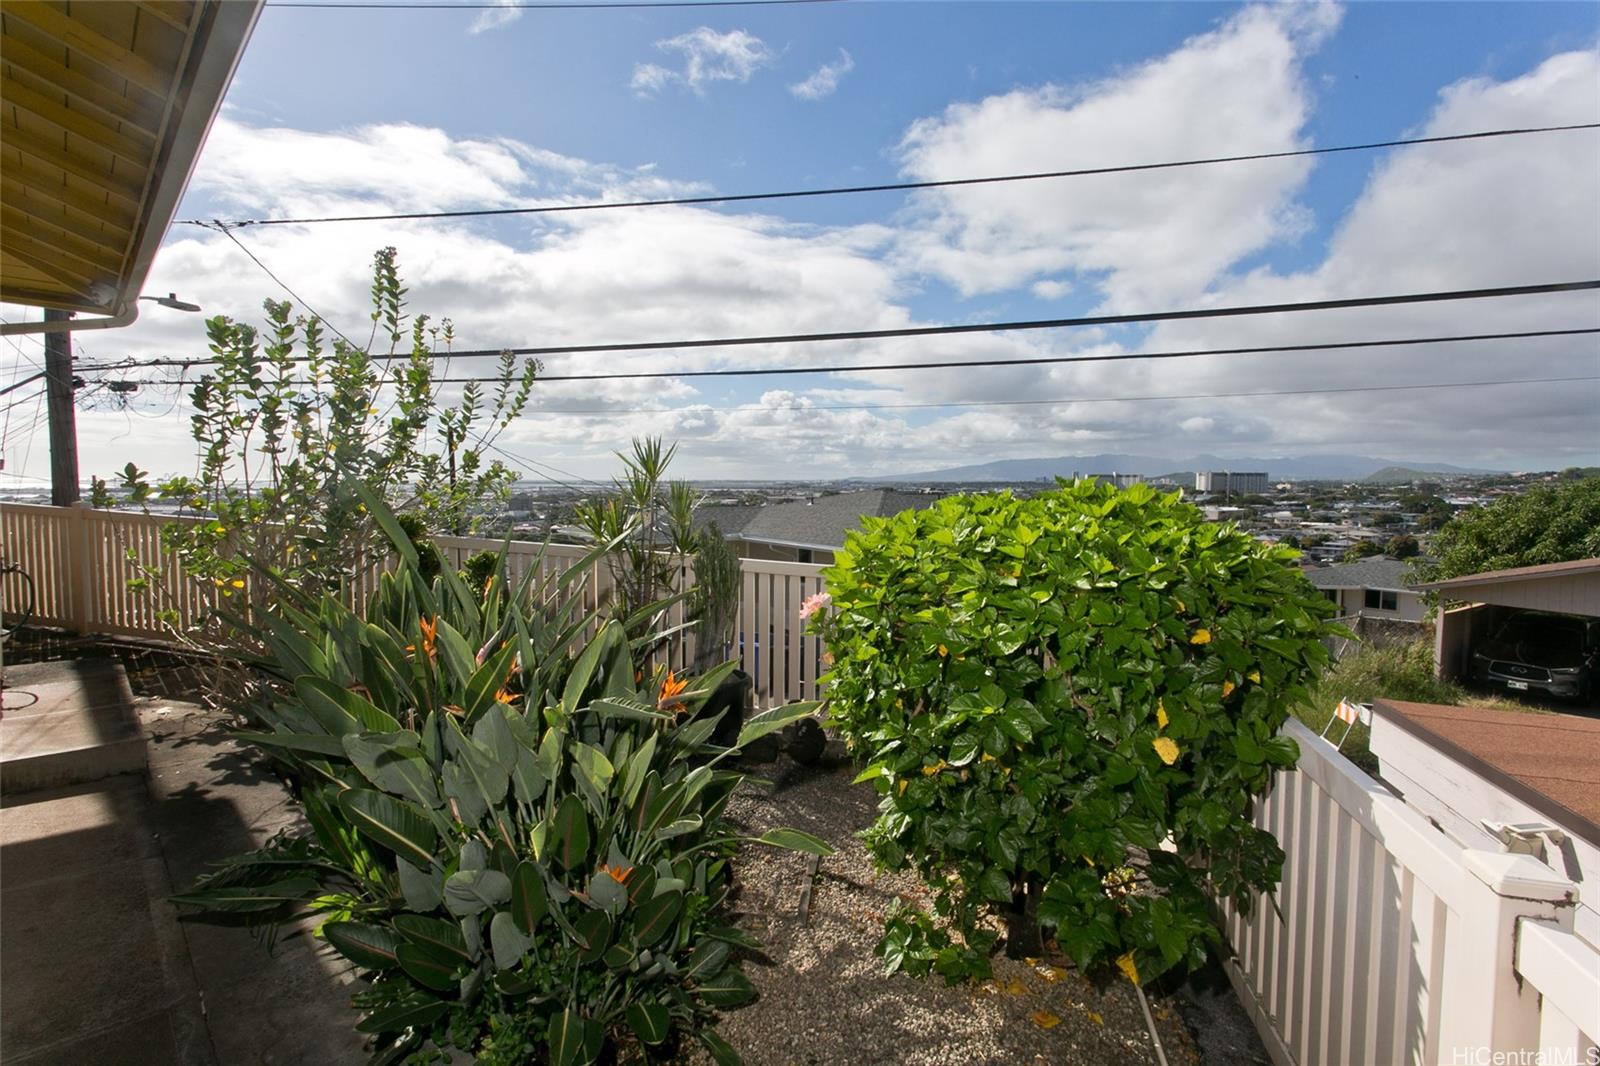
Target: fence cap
{"points": [[1520, 877]]}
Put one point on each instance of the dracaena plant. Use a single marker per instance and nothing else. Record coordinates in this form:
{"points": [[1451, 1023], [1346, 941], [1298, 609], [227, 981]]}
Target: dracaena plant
{"points": [[517, 836], [1068, 705]]}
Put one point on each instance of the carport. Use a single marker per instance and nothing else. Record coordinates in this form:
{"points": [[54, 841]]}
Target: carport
{"points": [[1571, 588]]}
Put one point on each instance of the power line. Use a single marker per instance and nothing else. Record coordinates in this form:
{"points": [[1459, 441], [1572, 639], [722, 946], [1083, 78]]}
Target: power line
{"points": [[847, 368], [227, 231], [698, 409], [1007, 327], [902, 186]]}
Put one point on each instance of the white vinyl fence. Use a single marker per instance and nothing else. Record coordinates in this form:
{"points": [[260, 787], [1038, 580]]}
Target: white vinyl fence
{"points": [[1391, 944], [81, 561]]}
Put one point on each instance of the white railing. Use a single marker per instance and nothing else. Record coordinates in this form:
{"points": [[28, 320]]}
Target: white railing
{"points": [[1389, 943], [81, 561]]}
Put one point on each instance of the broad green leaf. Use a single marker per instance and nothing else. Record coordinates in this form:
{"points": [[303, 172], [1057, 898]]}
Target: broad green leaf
{"points": [[393, 762], [423, 889], [721, 1051], [306, 743], [654, 918], [469, 892], [371, 946], [771, 721], [428, 966], [707, 960], [729, 988], [392, 823], [651, 1022], [593, 929], [795, 840], [574, 1039], [437, 933], [413, 1012], [569, 836], [507, 941], [528, 901]]}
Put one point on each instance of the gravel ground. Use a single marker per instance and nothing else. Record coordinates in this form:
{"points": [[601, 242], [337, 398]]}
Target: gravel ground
{"points": [[824, 998]]}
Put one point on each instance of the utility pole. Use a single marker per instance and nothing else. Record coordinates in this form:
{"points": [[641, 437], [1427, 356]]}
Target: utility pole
{"points": [[63, 416]]}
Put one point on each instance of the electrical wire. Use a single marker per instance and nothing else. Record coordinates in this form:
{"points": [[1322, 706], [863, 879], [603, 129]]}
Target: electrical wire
{"points": [[227, 231], [1059, 400], [900, 186], [1007, 327]]}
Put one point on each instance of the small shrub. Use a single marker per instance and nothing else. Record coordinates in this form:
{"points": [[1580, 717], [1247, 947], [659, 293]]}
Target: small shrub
{"points": [[479, 568], [1049, 694], [516, 835]]}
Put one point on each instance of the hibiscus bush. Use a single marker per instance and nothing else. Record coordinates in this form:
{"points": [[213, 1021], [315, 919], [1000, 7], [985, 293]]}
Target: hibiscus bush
{"points": [[1068, 705]]}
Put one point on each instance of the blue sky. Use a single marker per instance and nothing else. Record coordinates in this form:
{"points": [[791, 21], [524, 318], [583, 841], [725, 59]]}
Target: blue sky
{"points": [[351, 111]]}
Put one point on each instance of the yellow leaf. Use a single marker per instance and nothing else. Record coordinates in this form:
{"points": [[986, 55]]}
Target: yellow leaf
{"points": [[1093, 1017], [1201, 636], [1181, 608], [1044, 1019], [1128, 967], [943, 651], [1161, 714], [1052, 973], [1014, 987], [929, 771], [1166, 748], [1254, 675], [1227, 687], [238, 583], [903, 784]]}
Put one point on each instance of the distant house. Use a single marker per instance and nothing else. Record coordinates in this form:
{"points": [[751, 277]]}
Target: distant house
{"points": [[1370, 588], [806, 531]]}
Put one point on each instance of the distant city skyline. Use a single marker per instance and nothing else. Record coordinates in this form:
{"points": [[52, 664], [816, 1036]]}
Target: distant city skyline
{"points": [[338, 112]]}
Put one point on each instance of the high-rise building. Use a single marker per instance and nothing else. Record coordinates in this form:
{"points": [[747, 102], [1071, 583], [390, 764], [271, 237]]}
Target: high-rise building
{"points": [[1231, 481]]}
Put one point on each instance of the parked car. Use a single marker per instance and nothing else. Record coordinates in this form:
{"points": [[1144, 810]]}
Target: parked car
{"points": [[1555, 654]]}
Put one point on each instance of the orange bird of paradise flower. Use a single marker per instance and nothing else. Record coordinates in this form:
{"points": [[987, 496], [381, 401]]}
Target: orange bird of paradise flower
{"points": [[669, 689], [430, 632]]}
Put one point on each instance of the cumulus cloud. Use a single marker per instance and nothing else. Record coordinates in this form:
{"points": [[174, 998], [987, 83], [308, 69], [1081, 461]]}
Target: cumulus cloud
{"points": [[824, 80], [1148, 239], [502, 14], [708, 57]]}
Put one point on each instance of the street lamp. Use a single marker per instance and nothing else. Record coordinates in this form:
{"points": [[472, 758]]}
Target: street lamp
{"points": [[171, 300]]}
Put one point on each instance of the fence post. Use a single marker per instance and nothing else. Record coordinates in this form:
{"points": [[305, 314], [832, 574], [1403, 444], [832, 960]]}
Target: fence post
{"points": [[80, 567], [1486, 1007]]}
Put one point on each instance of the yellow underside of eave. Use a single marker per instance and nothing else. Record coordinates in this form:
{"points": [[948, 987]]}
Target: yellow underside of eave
{"points": [[88, 89]]}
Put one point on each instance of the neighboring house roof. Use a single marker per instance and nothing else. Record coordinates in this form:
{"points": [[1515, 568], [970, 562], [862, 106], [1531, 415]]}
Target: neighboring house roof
{"points": [[1549, 761], [103, 111], [1376, 572], [731, 518], [1521, 573], [822, 522]]}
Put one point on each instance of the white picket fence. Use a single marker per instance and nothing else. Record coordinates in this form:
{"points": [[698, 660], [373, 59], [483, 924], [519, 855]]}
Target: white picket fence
{"points": [[1391, 944], [81, 561]]}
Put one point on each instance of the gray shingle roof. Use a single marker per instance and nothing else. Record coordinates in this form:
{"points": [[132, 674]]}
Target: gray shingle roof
{"points": [[823, 521], [731, 518], [1377, 572]]}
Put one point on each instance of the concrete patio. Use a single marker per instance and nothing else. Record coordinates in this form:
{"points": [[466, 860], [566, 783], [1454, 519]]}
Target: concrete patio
{"points": [[111, 803]]}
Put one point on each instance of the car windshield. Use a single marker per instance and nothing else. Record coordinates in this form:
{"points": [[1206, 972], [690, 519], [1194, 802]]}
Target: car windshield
{"points": [[1553, 637]]}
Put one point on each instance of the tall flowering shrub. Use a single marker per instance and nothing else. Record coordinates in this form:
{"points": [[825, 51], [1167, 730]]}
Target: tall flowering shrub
{"points": [[1068, 705]]}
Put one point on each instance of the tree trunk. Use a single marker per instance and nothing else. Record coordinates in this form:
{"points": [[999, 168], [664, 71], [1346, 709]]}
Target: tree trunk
{"points": [[1023, 939]]}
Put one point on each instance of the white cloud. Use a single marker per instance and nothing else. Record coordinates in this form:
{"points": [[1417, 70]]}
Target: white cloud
{"points": [[1050, 289], [823, 81], [1149, 239], [502, 14], [708, 56]]}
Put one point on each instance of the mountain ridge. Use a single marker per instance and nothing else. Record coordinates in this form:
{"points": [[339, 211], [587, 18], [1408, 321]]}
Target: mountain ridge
{"points": [[1301, 468]]}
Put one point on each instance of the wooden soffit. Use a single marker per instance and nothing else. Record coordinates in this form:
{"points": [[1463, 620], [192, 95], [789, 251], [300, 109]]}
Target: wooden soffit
{"points": [[104, 107]]}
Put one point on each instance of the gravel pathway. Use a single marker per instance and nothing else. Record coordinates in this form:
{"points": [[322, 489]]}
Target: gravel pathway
{"points": [[824, 998]]}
